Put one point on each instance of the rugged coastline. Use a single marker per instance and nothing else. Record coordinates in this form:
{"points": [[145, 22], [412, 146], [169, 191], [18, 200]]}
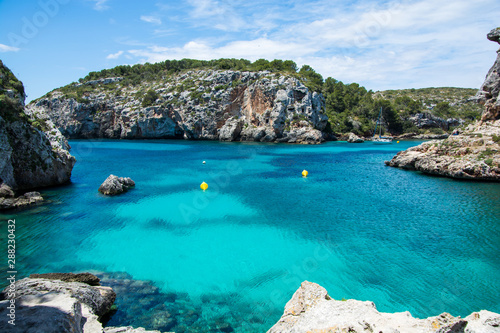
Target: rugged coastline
{"points": [[78, 303], [200, 105], [33, 153], [474, 153], [311, 309]]}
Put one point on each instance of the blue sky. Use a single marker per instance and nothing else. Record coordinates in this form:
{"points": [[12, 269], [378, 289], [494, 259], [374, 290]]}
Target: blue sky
{"points": [[379, 44]]}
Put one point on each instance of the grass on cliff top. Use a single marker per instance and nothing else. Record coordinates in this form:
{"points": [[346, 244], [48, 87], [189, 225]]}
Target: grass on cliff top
{"points": [[444, 102]]}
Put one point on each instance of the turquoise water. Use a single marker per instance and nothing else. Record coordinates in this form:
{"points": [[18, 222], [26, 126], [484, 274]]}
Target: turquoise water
{"points": [[235, 253]]}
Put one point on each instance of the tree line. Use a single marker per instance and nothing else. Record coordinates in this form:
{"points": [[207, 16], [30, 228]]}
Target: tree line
{"points": [[349, 107]]}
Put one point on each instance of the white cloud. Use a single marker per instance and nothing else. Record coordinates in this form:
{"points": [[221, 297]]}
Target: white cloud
{"points": [[100, 5], [379, 45], [114, 55], [6, 48], [252, 50], [151, 19], [221, 15]]}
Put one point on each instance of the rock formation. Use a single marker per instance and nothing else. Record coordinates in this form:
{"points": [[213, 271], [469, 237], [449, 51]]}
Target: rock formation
{"points": [[488, 93], [312, 310], [201, 104], [47, 305], [472, 154], [114, 185], [353, 138], [8, 200], [33, 153]]}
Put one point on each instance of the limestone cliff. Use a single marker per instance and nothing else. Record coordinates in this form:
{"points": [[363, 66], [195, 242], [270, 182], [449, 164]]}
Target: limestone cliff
{"points": [[33, 153], [474, 153], [312, 310], [198, 104], [488, 93]]}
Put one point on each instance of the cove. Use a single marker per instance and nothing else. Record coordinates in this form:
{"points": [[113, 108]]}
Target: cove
{"points": [[230, 258]]}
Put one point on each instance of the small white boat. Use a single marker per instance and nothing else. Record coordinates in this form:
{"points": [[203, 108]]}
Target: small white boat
{"points": [[380, 140]]}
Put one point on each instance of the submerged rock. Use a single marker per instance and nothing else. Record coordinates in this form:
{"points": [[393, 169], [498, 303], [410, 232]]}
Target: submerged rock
{"points": [[114, 185], [311, 309], [86, 278]]}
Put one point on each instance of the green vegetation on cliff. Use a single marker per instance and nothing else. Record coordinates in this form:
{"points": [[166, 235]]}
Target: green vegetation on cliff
{"points": [[349, 107], [10, 89]]}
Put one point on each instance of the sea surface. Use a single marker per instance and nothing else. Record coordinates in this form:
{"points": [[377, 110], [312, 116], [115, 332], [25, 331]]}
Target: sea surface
{"points": [[229, 258]]}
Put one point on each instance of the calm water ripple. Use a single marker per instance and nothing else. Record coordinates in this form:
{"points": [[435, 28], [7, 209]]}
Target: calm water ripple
{"points": [[229, 258]]}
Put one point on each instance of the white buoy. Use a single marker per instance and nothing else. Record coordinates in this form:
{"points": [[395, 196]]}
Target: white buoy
{"points": [[204, 162]]}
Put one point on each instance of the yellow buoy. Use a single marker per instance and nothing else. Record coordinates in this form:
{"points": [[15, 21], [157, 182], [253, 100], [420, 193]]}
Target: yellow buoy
{"points": [[305, 173], [397, 141], [204, 186]]}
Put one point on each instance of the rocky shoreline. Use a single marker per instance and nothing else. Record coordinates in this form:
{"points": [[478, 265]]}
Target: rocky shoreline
{"points": [[472, 154], [311, 309], [33, 153], [78, 303]]}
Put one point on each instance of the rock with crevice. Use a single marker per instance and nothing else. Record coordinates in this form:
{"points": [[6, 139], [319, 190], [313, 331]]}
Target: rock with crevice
{"points": [[114, 185], [311, 309]]}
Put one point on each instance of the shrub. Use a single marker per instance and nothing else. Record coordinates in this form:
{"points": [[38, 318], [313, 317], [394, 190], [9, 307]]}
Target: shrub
{"points": [[149, 98]]}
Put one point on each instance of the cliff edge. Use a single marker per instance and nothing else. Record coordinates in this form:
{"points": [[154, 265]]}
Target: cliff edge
{"points": [[33, 153], [202, 104], [472, 153], [311, 309]]}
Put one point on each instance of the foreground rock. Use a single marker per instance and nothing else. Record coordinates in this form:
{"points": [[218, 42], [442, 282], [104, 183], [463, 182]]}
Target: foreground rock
{"points": [[312, 310], [8, 200], [114, 185], [47, 305], [198, 104], [33, 153]]}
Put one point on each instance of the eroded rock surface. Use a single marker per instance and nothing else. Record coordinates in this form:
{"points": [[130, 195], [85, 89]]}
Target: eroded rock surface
{"points": [[312, 310], [33, 153], [201, 104], [114, 185]]}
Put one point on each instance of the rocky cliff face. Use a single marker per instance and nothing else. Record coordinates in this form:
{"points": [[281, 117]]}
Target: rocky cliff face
{"points": [[33, 153], [488, 93], [472, 154], [202, 104], [312, 310]]}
